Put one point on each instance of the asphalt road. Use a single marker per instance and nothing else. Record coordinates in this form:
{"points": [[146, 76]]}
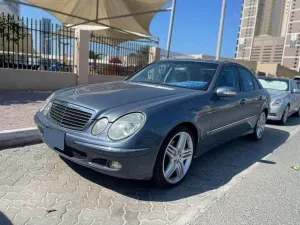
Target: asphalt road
{"points": [[269, 194], [223, 187]]}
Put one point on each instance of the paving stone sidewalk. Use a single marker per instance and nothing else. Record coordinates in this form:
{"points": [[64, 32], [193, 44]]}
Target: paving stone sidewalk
{"points": [[17, 108], [38, 187]]}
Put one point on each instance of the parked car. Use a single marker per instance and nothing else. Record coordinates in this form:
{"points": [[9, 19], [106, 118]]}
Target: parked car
{"points": [[60, 67], [154, 124], [296, 78], [285, 98]]}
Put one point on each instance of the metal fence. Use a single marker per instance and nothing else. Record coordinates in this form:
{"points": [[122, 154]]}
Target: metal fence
{"points": [[42, 45], [110, 56], [35, 45]]}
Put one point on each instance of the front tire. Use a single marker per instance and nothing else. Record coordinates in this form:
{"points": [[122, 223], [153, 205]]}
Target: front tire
{"points": [[285, 115], [174, 158], [259, 127]]}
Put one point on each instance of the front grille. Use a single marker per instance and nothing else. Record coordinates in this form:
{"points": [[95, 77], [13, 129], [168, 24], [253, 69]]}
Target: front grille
{"points": [[69, 116]]}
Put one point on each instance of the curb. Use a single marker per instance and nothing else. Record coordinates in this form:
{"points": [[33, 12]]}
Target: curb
{"points": [[19, 137]]}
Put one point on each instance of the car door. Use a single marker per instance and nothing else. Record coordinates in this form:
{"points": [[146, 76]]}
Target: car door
{"points": [[294, 98], [226, 110], [252, 99]]}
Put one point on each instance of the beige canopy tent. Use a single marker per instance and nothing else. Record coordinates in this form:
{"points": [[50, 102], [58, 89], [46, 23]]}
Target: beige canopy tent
{"points": [[110, 13], [126, 16], [114, 37]]}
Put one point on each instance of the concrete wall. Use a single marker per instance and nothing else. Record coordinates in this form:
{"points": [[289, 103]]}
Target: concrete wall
{"points": [[251, 65], [268, 69], [12, 79], [286, 72]]}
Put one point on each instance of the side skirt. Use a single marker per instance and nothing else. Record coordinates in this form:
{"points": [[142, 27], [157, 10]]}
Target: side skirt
{"points": [[202, 151]]}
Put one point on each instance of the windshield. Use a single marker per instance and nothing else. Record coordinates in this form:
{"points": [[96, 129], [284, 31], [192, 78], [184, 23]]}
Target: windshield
{"points": [[273, 84], [192, 75]]}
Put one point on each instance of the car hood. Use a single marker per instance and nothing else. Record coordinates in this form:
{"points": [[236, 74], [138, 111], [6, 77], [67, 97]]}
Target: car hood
{"points": [[277, 94], [115, 99]]}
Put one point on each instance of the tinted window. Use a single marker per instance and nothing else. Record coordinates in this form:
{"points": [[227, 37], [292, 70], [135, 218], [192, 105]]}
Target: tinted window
{"points": [[256, 84], [192, 75], [294, 85], [229, 78], [246, 79]]}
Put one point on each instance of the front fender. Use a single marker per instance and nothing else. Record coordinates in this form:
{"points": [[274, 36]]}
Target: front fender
{"points": [[162, 119]]}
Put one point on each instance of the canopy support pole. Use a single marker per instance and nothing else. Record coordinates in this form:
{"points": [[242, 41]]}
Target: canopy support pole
{"points": [[171, 28], [220, 38], [97, 10]]}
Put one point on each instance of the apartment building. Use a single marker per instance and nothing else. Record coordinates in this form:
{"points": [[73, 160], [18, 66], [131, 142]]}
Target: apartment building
{"points": [[270, 32], [8, 7]]}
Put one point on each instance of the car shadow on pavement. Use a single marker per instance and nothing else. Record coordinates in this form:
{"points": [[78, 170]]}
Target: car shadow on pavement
{"points": [[208, 172], [291, 122], [4, 220], [22, 97]]}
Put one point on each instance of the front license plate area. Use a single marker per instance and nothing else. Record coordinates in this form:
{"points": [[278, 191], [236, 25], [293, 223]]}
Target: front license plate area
{"points": [[54, 138]]}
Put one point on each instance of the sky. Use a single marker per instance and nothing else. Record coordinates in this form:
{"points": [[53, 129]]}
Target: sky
{"points": [[195, 29]]}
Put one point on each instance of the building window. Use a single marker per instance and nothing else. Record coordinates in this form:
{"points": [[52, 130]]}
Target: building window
{"points": [[293, 40]]}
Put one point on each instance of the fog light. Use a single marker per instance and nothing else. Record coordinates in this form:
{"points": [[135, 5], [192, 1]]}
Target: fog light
{"points": [[115, 165]]}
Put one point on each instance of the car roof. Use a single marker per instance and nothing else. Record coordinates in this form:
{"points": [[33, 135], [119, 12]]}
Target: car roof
{"points": [[203, 60]]}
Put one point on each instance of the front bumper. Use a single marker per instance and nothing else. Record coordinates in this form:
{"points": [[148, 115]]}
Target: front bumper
{"points": [[276, 112], [136, 163]]}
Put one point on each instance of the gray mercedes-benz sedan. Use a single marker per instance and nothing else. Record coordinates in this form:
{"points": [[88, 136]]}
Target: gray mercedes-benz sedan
{"points": [[153, 124], [285, 97]]}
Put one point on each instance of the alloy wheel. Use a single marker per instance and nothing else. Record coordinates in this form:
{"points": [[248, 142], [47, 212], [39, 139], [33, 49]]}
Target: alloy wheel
{"points": [[261, 124], [178, 157]]}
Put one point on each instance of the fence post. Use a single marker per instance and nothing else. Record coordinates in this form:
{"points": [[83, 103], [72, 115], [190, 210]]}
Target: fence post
{"points": [[154, 54], [81, 56]]}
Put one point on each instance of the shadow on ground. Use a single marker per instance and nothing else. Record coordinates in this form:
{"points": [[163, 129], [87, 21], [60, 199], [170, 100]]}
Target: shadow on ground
{"points": [[292, 121], [4, 220], [22, 97], [208, 172]]}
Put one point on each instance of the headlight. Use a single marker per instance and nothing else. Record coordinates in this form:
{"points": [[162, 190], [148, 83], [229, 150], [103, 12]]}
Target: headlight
{"points": [[47, 108], [278, 101], [126, 126], [99, 126], [47, 105]]}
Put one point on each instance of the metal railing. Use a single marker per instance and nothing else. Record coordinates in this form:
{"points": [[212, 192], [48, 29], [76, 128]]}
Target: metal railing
{"points": [[110, 56], [35, 45]]}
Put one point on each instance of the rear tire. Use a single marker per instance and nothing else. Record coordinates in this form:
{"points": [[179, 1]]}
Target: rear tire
{"points": [[172, 164]]}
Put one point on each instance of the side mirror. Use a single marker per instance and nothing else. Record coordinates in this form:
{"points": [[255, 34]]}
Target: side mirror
{"points": [[226, 92], [296, 91]]}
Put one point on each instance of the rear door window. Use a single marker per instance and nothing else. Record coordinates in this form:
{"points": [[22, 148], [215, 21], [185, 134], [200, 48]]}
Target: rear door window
{"points": [[246, 79]]}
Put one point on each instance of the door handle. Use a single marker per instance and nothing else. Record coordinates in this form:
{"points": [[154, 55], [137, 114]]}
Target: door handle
{"points": [[243, 101]]}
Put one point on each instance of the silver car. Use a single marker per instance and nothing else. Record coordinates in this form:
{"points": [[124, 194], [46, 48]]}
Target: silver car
{"points": [[285, 98]]}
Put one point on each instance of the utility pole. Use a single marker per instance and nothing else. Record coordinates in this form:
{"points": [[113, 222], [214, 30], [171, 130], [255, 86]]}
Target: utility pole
{"points": [[220, 38], [171, 28]]}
